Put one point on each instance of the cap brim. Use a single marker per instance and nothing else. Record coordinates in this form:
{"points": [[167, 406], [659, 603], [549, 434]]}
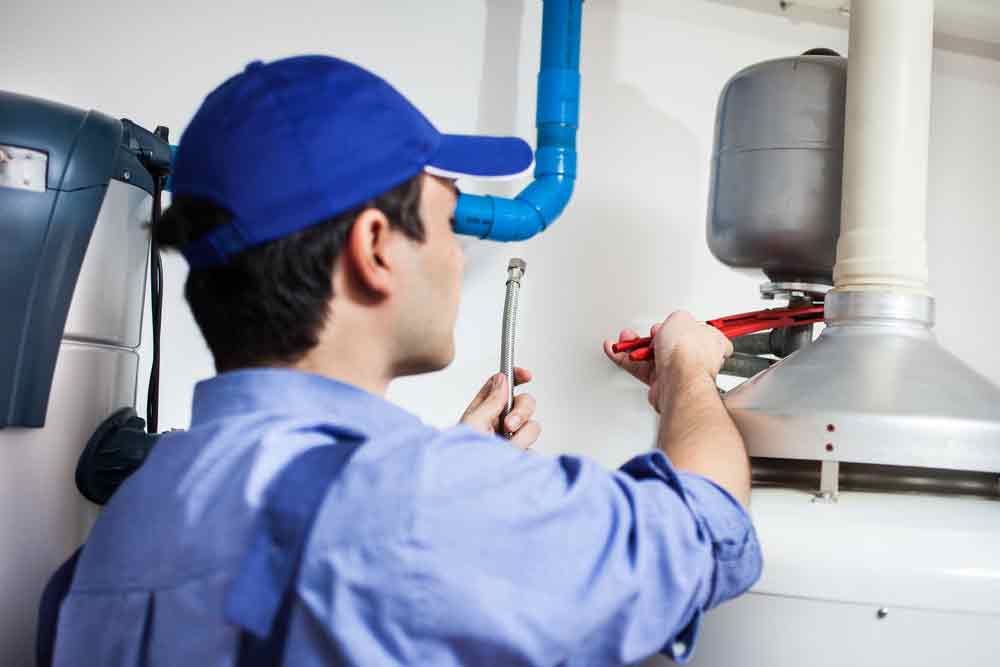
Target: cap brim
{"points": [[471, 156]]}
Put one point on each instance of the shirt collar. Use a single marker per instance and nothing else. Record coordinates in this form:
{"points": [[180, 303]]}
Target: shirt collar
{"points": [[292, 392]]}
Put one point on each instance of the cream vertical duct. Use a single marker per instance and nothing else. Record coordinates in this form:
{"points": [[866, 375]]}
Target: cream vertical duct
{"points": [[883, 242]]}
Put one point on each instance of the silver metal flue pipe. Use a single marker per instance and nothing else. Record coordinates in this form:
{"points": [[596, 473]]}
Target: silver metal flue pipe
{"points": [[876, 388]]}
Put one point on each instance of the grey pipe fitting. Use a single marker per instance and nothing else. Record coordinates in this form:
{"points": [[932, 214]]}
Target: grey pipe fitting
{"points": [[745, 365]]}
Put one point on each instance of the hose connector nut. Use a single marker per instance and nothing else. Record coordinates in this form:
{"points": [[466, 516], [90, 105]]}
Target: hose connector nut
{"points": [[516, 270]]}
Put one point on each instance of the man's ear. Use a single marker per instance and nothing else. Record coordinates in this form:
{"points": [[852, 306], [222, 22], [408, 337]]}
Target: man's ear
{"points": [[368, 252]]}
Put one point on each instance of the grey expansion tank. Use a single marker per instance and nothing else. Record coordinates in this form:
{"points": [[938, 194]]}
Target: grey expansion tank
{"points": [[774, 202]]}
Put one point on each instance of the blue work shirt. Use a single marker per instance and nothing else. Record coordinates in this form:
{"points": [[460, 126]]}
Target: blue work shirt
{"points": [[430, 547]]}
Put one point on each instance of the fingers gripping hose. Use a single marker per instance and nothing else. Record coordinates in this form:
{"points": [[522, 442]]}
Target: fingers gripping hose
{"points": [[515, 272]]}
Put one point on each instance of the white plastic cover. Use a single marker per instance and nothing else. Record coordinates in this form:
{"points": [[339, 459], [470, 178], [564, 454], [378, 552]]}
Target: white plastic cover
{"points": [[23, 168]]}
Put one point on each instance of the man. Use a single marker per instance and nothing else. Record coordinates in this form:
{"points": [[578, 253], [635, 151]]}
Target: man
{"points": [[304, 520]]}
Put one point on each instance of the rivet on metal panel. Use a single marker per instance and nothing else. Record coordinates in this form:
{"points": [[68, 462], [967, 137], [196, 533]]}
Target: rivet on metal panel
{"points": [[882, 613]]}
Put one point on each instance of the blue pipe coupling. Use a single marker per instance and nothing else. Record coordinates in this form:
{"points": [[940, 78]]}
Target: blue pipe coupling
{"points": [[556, 119]]}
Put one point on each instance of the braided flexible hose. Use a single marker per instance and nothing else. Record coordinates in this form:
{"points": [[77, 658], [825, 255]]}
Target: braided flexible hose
{"points": [[515, 272]]}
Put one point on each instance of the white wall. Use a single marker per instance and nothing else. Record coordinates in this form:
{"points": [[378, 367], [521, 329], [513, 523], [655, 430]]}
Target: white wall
{"points": [[630, 247]]}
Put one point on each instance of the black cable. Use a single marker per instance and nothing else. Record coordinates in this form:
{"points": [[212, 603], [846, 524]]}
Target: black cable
{"points": [[156, 307]]}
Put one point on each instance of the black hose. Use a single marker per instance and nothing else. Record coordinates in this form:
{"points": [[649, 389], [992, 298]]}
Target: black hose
{"points": [[156, 307], [159, 170]]}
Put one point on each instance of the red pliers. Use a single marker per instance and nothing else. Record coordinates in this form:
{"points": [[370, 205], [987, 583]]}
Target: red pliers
{"points": [[733, 326]]}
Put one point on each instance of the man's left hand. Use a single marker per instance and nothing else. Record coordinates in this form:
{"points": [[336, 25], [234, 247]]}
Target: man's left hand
{"points": [[483, 414]]}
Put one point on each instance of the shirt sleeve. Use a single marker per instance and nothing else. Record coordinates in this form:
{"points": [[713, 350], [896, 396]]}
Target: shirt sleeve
{"points": [[725, 524], [529, 559]]}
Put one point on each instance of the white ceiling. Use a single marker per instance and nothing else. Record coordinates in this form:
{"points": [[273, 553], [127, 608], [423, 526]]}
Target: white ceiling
{"points": [[969, 26]]}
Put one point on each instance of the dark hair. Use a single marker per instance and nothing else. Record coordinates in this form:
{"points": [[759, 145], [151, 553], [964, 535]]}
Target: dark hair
{"points": [[268, 304]]}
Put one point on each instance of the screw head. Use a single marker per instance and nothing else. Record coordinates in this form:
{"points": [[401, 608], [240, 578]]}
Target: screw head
{"points": [[127, 175], [882, 613]]}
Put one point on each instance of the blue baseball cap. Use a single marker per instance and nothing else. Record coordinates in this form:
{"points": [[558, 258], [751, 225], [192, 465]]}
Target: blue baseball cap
{"points": [[286, 145]]}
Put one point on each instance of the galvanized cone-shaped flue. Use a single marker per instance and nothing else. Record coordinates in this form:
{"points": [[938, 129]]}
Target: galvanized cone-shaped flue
{"points": [[876, 387]]}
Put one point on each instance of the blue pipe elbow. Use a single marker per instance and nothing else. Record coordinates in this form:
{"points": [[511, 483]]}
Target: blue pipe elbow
{"points": [[556, 119]]}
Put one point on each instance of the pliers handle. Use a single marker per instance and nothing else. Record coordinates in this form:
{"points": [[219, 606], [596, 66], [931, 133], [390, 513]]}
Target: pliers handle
{"points": [[733, 326]]}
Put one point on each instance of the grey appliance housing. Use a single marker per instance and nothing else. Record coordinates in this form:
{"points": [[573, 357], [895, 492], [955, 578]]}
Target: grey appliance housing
{"points": [[44, 235]]}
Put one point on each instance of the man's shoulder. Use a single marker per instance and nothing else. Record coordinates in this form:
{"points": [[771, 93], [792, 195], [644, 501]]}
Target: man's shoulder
{"points": [[381, 489]]}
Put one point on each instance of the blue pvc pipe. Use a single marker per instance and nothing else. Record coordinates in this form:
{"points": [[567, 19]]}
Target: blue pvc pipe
{"points": [[556, 117]]}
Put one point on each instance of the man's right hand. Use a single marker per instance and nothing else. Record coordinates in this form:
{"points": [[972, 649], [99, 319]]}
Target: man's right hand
{"points": [[680, 343], [696, 432]]}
